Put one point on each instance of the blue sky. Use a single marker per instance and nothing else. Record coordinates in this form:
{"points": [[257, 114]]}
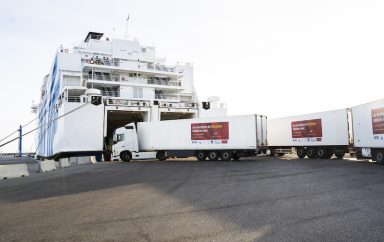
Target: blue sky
{"points": [[271, 57]]}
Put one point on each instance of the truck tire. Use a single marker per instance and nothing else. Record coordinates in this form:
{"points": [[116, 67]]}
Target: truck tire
{"points": [[201, 155], [311, 153], [160, 155], [379, 157], [301, 152], [126, 156], [269, 152], [213, 155], [323, 153], [330, 154], [235, 156], [340, 155], [226, 155]]}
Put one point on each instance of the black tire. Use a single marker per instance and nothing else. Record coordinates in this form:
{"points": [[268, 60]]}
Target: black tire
{"points": [[160, 155], [213, 155], [226, 155], [107, 156], [340, 155], [379, 157], [301, 152], [322, 153], [126, 156], [269, 152], [329, 155], [311, 153], [235, 156], [201, 155]]}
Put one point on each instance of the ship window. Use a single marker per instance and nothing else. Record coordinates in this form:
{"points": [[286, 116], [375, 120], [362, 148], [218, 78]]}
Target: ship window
{"points": [[71, 80], [137, 92], [143, 50]]}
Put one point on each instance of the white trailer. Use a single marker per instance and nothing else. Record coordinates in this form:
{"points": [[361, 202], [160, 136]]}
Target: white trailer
{"points": [[368, 130], [314, 135], [229, 137]]}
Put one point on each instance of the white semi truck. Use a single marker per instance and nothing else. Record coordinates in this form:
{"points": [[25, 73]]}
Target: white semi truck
{"points": [[359, 129], [227, 138], [368, 130], [314, 135]]}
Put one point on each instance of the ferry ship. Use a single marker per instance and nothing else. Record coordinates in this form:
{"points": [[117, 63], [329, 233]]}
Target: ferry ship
{"points": [[102, 84]]}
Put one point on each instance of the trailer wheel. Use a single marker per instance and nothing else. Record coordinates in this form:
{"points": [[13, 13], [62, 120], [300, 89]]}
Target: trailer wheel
{"points": [[330, 154], [379, 156], [340, 155], [323, 153], [235, 156], [269, 152], [301, 152], [311, 153], [213, 155], [126, 156], [160, 155], [201, 155], [226, 155]]}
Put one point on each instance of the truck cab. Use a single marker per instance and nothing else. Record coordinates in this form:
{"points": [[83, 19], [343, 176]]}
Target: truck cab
{"points": [[125, 145]]}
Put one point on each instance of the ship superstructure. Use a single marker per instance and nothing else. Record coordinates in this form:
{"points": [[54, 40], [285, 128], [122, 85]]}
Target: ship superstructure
{"points": [[102, 84]]}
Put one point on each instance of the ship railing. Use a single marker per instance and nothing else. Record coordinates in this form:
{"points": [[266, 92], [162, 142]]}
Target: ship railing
{"points": [[100, 76], [110, 93], [104, 61], [163, 68], [74, 99], [164, 82], [167, 97]]}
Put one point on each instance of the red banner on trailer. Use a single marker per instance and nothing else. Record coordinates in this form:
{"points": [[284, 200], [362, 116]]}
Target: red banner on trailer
{"points": [[307, 128], [210, 131], [378, 121]]}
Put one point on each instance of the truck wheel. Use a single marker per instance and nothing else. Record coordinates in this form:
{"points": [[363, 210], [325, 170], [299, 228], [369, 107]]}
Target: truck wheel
{"points": [[340, 155], [330, 154], [301, 152], [213, 155], [201, 155], [311, 153], [160, 155], [379, 156], [323, 153], [226, 155], [269, 152], [235, 156], [126, 156]]}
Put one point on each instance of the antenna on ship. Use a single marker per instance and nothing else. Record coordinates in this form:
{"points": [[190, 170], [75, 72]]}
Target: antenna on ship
{"points": [[126, 27]]}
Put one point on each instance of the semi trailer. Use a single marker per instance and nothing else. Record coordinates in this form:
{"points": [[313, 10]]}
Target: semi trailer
{"points": [[224, 138], [368, 130], [317, 135], [358, 130]]}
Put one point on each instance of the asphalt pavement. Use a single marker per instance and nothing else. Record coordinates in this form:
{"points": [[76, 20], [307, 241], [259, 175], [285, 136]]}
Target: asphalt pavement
{"points": [[258, 199]]}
